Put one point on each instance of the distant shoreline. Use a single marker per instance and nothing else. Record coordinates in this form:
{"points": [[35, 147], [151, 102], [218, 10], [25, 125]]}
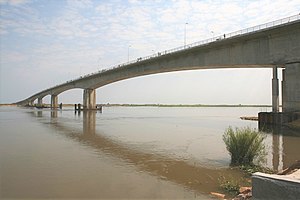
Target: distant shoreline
{"points": [[7, 104], [184, 105], [164, 105]]}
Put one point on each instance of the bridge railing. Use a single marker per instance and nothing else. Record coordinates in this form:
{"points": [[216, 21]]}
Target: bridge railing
{"points": [[199, 43], [218, 38]]}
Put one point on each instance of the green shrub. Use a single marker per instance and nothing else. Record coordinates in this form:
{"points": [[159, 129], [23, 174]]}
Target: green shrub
{"points": [[244, 145], [229, 185], [250, 169]]}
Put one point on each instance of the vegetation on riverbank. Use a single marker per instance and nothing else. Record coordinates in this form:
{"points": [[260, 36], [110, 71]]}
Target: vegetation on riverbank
{"points": [[230, 186], [247, 150], [244, 145]]}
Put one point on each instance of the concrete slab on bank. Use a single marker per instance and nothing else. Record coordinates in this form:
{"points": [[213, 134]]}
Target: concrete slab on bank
{"points": [[273, 186]]}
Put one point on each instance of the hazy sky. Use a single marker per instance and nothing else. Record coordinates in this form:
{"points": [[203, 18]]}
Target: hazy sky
{"points": [[44, 43]]}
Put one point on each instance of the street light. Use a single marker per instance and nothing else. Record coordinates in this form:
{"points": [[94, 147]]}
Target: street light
{"points": [[128, 53], [185, 33], [99, 61]]}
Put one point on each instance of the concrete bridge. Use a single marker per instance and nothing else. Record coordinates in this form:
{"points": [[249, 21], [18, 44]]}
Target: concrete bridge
{"points": [[272, 45]]}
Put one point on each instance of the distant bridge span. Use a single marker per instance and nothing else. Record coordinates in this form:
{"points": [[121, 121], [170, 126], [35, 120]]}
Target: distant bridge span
{"points": [[271, 45]]}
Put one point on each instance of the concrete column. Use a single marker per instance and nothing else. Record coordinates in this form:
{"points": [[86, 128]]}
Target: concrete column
{"points": [[283, 90], [40, 101], [31, 103], [54, 101], [275, 91], [89, 99], [291, 95]]}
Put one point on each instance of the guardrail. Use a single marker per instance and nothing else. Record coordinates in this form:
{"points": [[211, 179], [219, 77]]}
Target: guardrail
{"points": [[197, 44]]}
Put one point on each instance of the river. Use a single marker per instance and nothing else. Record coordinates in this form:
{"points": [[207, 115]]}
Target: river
{"points": [[125, 152]]}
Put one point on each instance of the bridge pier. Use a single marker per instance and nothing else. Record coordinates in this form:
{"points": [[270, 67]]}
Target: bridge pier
{"points": [[275, 91], [30, 103], [290, 97], [54, 101], [40, 101], [89, 99], [291, 88], [283, 90]]}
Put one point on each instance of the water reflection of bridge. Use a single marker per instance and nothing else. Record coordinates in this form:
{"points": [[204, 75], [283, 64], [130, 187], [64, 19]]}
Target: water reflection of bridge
{"points": [[285, 147], [198, 178]]}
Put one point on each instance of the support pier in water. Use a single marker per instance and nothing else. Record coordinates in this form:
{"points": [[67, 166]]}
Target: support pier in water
{"points": [[290, 97]]}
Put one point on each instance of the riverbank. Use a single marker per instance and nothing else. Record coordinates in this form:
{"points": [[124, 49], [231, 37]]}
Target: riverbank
{"points": [[185, 105], [166, 105], [7, 104]]}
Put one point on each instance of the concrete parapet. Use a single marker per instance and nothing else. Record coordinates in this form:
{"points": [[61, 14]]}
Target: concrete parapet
{"points": [[267, 186]]}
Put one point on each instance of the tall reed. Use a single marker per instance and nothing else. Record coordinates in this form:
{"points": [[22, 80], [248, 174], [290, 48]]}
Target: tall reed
{"points": [[244, 145]]}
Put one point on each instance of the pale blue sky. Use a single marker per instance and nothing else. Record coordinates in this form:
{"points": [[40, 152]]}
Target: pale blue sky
{"points": [[44, 43]]}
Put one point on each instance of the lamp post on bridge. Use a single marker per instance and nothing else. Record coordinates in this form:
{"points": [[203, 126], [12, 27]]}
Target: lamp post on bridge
{"points": [[99, 61], [185, 33], [128, 53]]}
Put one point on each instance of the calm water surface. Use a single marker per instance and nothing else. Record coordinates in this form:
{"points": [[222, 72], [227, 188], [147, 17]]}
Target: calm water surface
{"points": [[124, 152]]}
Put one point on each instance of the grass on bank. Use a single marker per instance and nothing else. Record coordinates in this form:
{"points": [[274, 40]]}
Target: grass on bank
{"points": [[245, 145], [231, 186], [247, 149]]}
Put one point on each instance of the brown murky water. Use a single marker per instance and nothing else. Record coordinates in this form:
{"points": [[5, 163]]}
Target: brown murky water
{"points": [[124, 152]]}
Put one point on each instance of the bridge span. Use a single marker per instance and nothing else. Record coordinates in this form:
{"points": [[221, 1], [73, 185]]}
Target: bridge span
{"points": [[271, 45]]}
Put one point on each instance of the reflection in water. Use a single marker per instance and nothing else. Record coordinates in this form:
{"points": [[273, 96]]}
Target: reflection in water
{"points": [[275, 145], [53, 150], [284, 146], [53, 113], [39, 113], [291, 149], [89, 122], [200, 179]]}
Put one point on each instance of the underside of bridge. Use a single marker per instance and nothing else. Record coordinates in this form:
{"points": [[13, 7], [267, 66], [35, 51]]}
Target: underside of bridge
{"points": [[290, 91]]}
